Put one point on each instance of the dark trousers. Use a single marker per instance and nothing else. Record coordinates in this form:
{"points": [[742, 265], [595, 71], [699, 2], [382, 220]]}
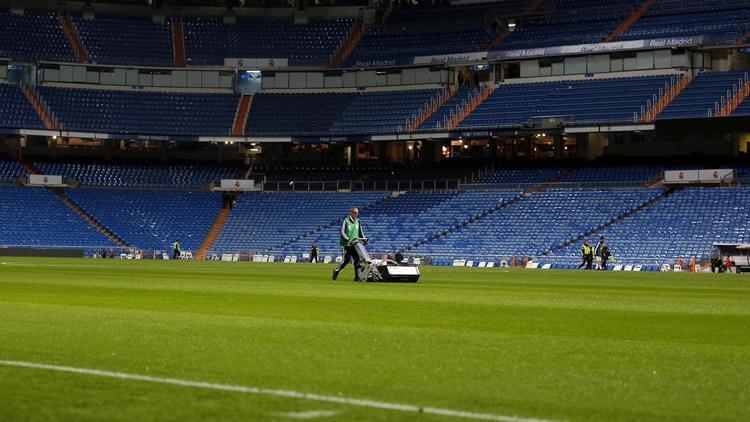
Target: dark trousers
{"points": [[604, 264], [350, 255], [175, 254], [587, 262], [314, 258]]}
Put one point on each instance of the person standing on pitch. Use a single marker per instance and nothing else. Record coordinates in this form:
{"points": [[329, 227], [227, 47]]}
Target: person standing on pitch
{"points": [[314, 253], [598, 252], [351, 230], [587, 254], [605, 255], [176, 249]]}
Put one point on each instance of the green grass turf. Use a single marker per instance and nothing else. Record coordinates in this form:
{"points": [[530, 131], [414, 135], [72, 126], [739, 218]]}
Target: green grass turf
{"points": [[561, 345]]}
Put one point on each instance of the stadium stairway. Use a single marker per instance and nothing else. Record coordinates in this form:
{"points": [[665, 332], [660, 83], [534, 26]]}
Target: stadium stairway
{"points": [[89, 218], [73, 38], [661, 103], [178, 42], [213, 232], [439, 101], [240, 116], [731, 104], [664, 194], [630, 20], [40, 107], [348, 45], [471, 106]]}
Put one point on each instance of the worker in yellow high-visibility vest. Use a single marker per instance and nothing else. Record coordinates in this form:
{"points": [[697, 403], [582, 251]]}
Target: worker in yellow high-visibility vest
{"points": [[587, 255]]}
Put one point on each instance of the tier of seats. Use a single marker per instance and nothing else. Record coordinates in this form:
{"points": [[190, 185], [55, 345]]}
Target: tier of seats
{"points": [[261, 221], [408, 32], [723, 21], [141, 112], [208, 41], [15, 109], [139, 175], [642, 226], [701, 95], [33, 36], [150, 219], [582, 101], [125, 40], [37, 217]]}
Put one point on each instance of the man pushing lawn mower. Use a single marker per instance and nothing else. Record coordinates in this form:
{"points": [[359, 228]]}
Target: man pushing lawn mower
{"points": [[353, 240]]}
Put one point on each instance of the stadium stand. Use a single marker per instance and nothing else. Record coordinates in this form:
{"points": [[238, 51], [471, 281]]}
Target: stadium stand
{"points": [[175, 175], [37, 217], [125, 40], [683, 224], [151, 219], [208, 41], [33, 36], [538, 223], [10, 171], [261, 221], [723, 21], [145, 112], [15, 109], [701, 95], [582, 101]]}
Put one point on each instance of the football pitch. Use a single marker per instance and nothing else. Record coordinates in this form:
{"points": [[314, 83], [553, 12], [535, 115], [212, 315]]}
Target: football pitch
{"points": [[166, 340]]}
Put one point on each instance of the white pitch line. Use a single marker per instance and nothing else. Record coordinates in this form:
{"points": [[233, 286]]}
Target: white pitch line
{"points": [[278, 393]]}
